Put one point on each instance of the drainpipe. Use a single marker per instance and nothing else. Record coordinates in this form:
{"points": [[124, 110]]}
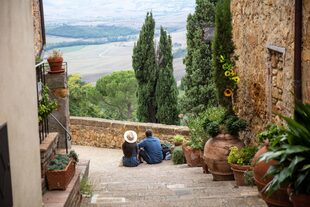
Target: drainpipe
{"points": [[42, 28], [297, 51]]}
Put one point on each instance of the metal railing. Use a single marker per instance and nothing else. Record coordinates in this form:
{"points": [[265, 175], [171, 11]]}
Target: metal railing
{"points": [[40, 76], [67, 133]]}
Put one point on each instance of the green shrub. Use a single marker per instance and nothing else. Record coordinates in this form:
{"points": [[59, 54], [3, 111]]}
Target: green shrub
{"points": [[272, 134], [86, 187], [72, 154], [178, 156], [217, 120], [178, 138], [241, 156], [59, 162]]}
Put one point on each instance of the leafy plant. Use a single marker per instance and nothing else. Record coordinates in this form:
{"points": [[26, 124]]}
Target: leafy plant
{"points": [[198, 135], [292, 154], [72, 154], [55, 54], [178, 138], [249, 178], [86, 187], [218, 120], [59, 162], [241, 156], [272, 134], [178, 156], [46, 105]]}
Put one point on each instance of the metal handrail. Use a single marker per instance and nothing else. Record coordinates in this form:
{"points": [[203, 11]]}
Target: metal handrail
{"points": [[64, 128]]}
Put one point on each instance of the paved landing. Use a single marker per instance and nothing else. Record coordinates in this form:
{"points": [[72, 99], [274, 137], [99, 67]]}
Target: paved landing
{"points": [[163, 184]]}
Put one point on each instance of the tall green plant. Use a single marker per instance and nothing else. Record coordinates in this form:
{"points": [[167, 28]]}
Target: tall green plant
{"points": [[143, 63], [292, 154], [199, 86], [223, 49], [166, 87]]}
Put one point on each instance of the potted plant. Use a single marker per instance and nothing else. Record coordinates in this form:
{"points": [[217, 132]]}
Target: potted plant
{"points": [[271, 138], [55, 60], [223, 128], [46, 105], [240, 162], [293, 158], [178, 140], [61, 170], [193, 148]]}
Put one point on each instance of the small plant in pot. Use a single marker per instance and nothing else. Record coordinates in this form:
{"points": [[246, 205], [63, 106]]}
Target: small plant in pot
{"points": [[270, 138], [193, 148], [178, 140], [223, 128], [55, 61], [293, 158], [240, 162], [61, 170]]}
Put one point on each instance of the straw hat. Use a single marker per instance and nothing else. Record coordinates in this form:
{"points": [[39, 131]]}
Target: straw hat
{"points": [[130, 136]]}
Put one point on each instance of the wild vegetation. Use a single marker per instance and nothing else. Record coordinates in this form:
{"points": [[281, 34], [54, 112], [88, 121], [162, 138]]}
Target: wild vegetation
{"points": [[113, 97]]}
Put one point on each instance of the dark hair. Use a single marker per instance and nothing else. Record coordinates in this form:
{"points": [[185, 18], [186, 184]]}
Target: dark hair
{"points": [[148, 133]]}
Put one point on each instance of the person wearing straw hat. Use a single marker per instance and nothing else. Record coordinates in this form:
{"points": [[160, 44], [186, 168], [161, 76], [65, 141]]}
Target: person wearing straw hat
{"points": [[130, 149]]}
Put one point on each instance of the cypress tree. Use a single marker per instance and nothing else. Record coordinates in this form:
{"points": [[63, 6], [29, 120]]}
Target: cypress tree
{"points": [[143, 63], [222, 46], [199, 85], [166, 88]]}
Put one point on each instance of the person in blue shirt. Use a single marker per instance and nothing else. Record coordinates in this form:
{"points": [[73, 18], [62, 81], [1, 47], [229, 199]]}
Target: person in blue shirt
{"points": [[130, 149], [150, 149]]}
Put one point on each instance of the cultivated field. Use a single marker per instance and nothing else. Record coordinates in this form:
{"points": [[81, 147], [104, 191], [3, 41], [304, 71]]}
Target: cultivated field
{"points": [[93, 61]]}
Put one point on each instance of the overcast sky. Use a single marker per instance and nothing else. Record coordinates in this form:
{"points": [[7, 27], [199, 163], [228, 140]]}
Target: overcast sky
{"points": [[115, 10]]}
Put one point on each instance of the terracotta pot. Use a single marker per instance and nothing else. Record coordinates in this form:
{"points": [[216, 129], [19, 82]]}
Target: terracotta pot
{"points": [[192, 156], [55, 64], [278, 198], [239, 171], [215, 155], [298, 200]]}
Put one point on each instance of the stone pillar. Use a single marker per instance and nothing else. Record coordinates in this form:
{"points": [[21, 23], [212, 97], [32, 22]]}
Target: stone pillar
{"points": [[58, 86]]}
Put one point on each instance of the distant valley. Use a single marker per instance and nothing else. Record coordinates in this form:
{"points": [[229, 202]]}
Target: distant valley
{"points": [[95, 45]]}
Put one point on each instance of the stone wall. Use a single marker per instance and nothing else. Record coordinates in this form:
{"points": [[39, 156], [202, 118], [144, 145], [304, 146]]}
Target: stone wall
{"points": [[263, 33], [306, 51], [109, 133], [58, 86], [37, 30]]}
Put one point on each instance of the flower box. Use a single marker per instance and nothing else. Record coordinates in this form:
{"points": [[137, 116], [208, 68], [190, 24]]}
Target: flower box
{"points": [[60, 179]]}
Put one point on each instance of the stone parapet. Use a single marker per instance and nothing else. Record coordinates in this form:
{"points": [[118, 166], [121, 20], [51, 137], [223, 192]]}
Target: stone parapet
{"points": [[109, 133]]}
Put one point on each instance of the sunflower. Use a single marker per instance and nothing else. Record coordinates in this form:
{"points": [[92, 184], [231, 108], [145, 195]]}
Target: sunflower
{"points": [[236, 79], [228, 92], [227, 73]]}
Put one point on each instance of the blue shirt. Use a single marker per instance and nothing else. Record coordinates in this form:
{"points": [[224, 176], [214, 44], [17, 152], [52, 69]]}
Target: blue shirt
{"points": [[153, 148]]}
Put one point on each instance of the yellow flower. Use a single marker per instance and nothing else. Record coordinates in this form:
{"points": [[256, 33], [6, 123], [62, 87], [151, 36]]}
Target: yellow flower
{"points": [[232, 72], [236, 79], [227, 73], [228, 92]]}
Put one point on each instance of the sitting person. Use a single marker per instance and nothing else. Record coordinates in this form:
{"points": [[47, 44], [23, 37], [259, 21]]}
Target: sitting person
{"points": [[150, 149], [130, 149]]}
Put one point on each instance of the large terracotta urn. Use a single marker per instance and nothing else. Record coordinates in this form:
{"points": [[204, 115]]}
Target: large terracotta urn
{"points": [[279, 198], [215, 155]]}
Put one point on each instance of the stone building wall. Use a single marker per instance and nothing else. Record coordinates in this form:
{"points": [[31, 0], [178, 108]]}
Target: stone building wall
{"points": [[263, 33], [109, 133], [306, 51], [37, 30]]}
